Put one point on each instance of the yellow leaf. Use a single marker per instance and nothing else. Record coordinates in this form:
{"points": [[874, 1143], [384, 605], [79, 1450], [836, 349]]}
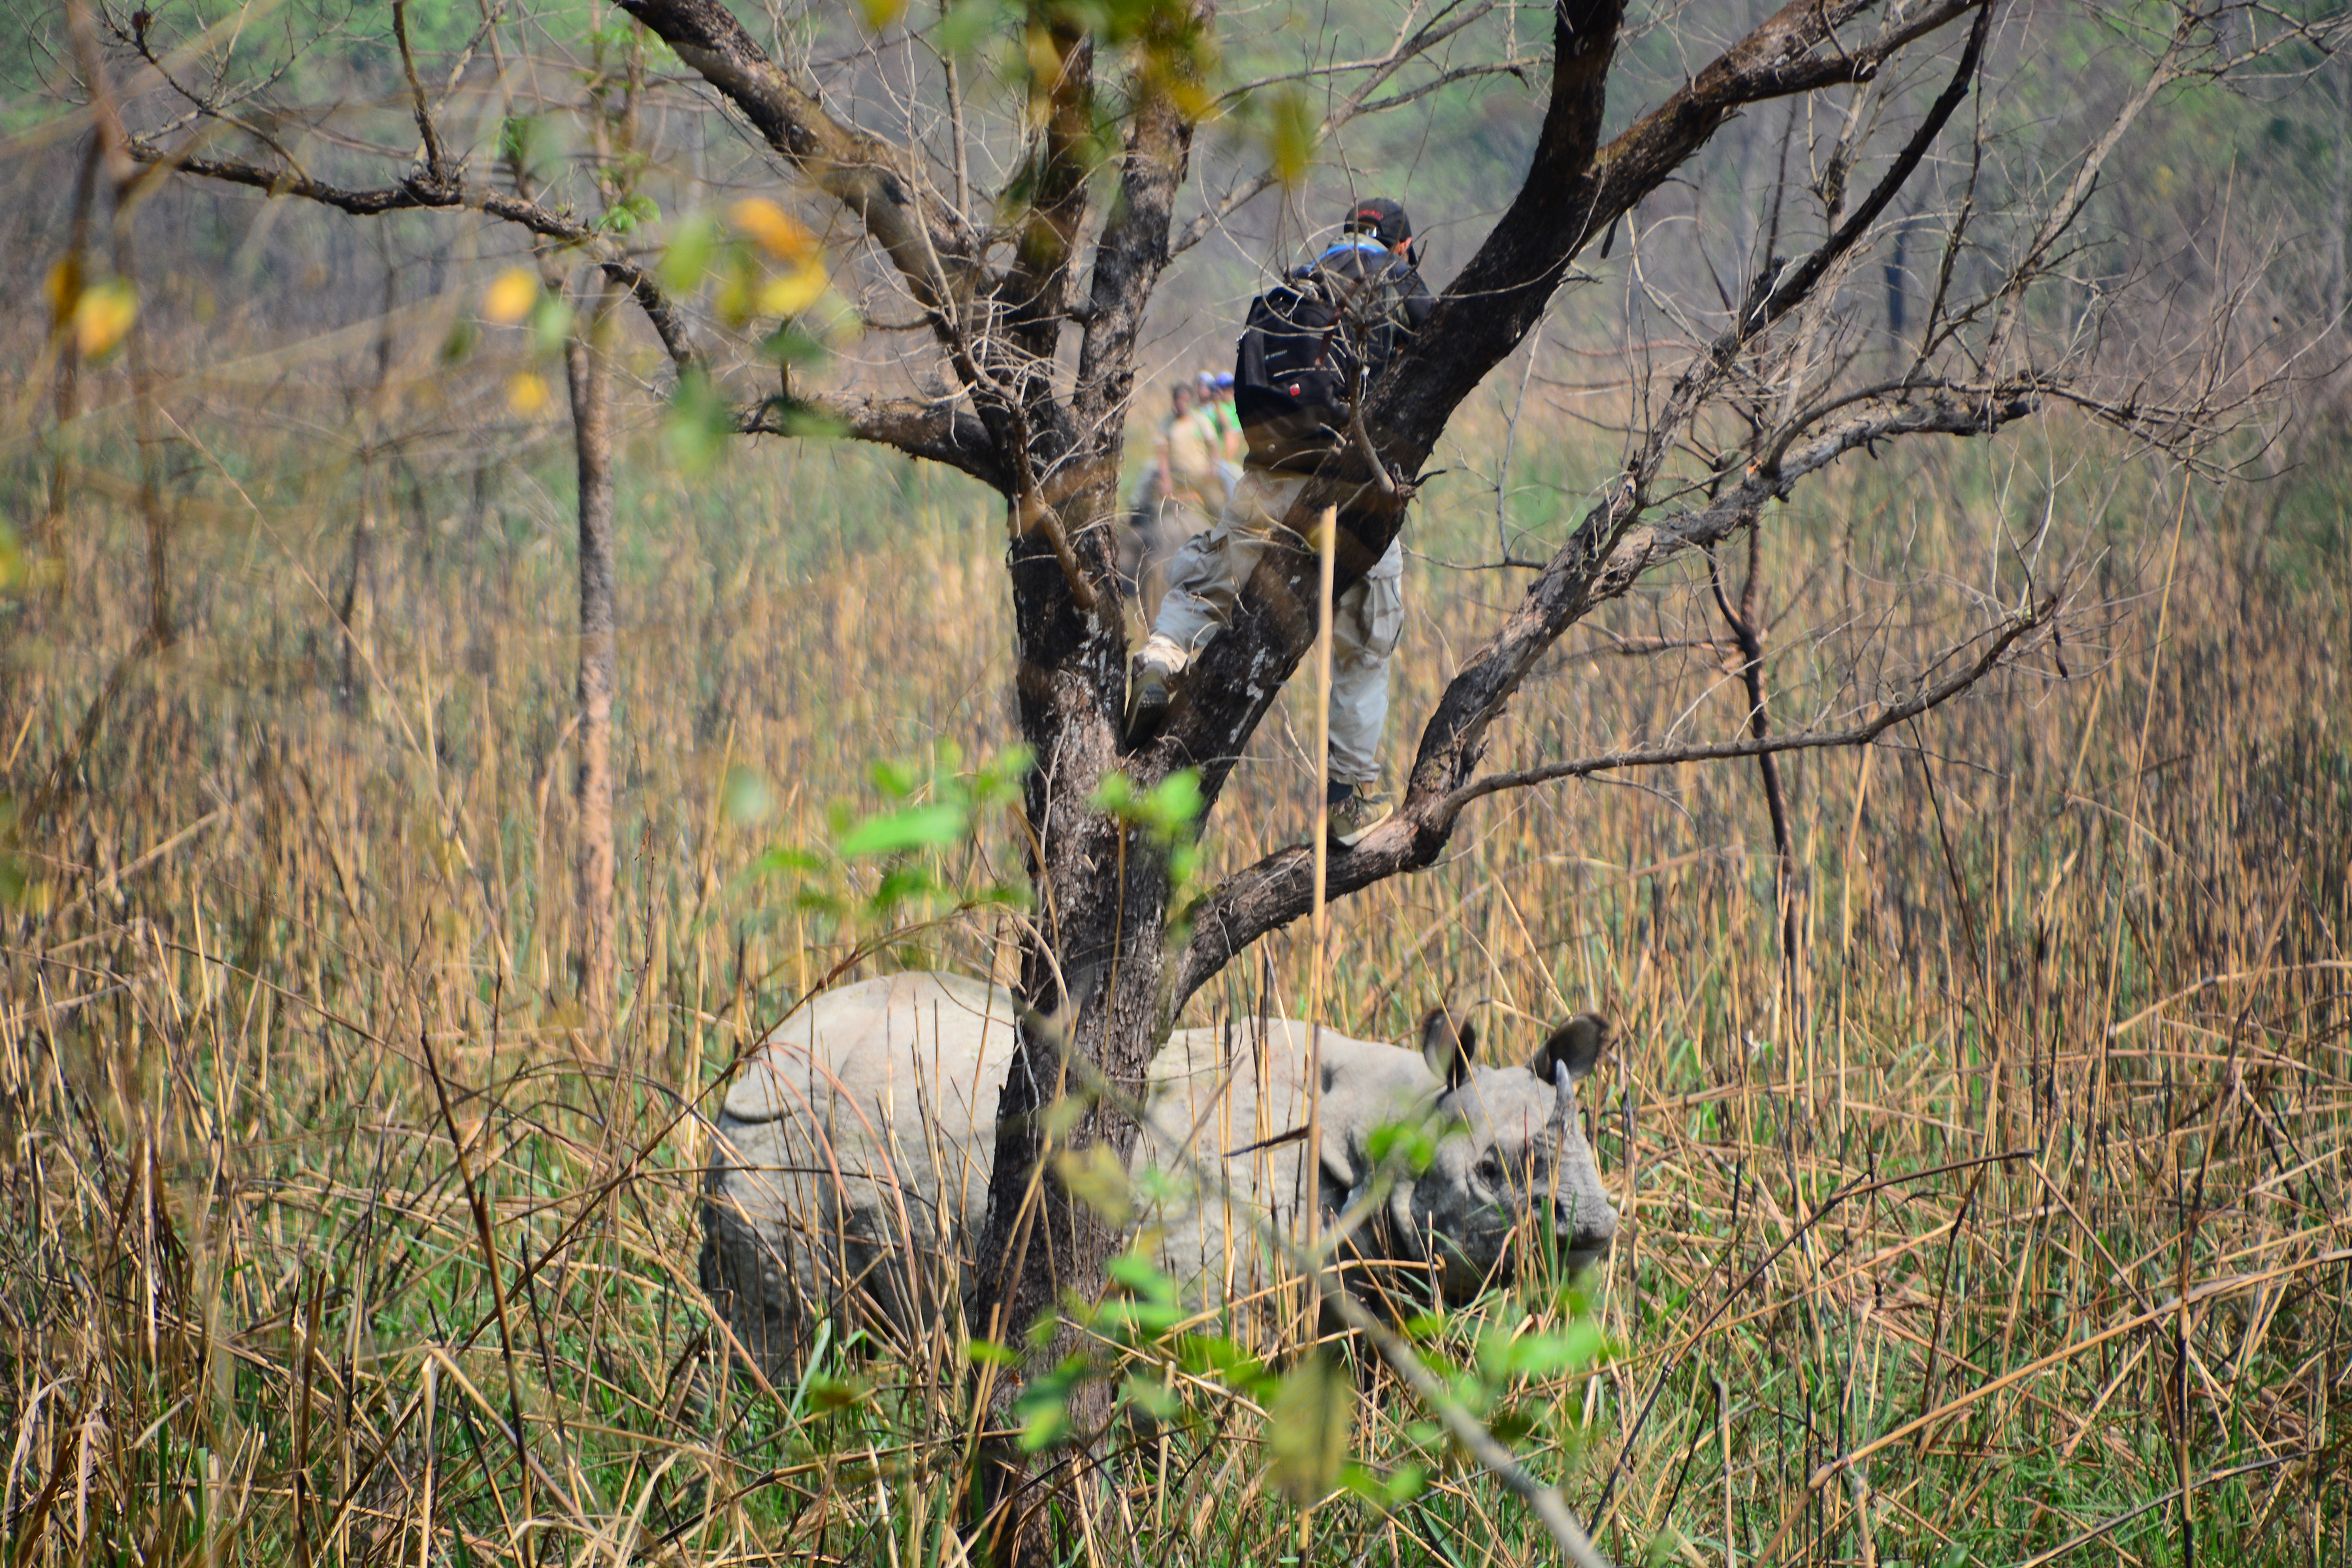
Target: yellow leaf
{"points": [[779, 233], [511, 297], [526, 395], [1045, 58], [792, 292], [1292, 136], [735, 302], [64, 286], [102, 314]]}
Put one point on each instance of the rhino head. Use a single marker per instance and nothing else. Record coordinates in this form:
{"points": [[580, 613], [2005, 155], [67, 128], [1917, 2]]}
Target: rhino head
{"points": [[1512, 1148]]}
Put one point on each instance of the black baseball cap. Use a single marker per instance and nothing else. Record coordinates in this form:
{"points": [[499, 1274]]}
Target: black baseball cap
{"points": [[1382, 218]]}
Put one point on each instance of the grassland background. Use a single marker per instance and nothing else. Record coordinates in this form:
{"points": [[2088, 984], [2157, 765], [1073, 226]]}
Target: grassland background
{"points": [[288, 1047]]}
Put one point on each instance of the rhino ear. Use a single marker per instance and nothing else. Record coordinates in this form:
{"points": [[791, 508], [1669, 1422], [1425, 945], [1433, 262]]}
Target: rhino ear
{"points": [[1449, 1045], [1576, 1045]]}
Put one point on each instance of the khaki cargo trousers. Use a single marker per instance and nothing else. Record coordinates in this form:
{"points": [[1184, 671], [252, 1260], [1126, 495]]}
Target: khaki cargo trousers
{"points": [[1206, 578]]}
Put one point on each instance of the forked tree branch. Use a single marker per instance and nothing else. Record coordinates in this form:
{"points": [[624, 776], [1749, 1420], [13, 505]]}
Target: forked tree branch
{"points": [[1410, 45], [1575, 187], [454, 194], [1575, 190], [933, 430], [936, 431], [1279, 887], [935, 250], [1861, 734], [1610, 551], [875, 180]]}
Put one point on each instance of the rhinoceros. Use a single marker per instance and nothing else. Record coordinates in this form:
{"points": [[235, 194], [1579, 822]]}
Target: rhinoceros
{"points": [[849, 1175]]}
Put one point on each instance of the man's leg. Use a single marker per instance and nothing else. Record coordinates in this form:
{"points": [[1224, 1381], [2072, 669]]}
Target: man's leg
{"points": [[1204, 581], [1366, 625], [1174, 524]]}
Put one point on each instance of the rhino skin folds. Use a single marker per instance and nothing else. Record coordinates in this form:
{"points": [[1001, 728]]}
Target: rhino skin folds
{"points": [[849, 1167]]}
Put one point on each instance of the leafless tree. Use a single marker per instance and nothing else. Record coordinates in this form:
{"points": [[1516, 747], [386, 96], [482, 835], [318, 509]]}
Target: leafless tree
{"points": [[1022, 298]]}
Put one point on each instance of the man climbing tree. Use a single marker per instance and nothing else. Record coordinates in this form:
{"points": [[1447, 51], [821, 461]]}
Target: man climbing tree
{"points": [[1311, 349]]}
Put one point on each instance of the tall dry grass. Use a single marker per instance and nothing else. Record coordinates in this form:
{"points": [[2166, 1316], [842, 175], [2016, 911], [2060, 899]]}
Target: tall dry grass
{"points": [[2000, 1226]]}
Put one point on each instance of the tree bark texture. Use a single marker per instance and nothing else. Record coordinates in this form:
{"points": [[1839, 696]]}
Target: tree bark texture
{"points": [[591, 440]]}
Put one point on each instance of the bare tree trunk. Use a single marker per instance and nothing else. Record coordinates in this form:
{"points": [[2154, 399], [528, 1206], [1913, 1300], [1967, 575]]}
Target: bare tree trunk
{"points": [[1093, 988], [591, 440]]}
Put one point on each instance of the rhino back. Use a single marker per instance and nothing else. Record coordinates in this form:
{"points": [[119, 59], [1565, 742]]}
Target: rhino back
{"points": [[850, 1160]]}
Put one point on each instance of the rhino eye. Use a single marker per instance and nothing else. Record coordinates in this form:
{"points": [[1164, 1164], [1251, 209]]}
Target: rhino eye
{"points": [[1490, 1171]]}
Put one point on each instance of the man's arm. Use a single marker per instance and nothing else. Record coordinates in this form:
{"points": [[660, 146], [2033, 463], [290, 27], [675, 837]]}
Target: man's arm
{"points": [[1418, 300]]}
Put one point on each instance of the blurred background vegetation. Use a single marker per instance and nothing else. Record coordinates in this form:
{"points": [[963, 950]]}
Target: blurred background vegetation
{"points": [[338, 1230]]}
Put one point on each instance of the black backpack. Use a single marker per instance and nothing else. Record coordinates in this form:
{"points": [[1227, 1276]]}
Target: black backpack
{"points": [[1310, 340]]}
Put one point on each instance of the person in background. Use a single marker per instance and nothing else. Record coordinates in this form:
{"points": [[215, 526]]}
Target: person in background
{"points": [[1231, 445], [1184, 491]]}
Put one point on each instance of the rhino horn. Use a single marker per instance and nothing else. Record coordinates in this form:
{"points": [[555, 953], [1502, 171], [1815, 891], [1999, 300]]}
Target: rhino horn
{"points": [[1449, 1044], [1576, 1045]]}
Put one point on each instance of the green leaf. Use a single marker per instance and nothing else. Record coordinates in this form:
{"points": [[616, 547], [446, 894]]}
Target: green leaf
{"points": [[687, 260], [1215, 1355], [830, 1394], [903, 884], [966, 24], [1388, 1492], [700, 424], [1571, 1348], [789, 858], [1292, 133], [1174, 804], [518, 137], [1095, 1178], [988, 1353], [551, 323], [1167, 813], [1306, 1430], [1139, 1274], [1151, 1396], [1044, 1408], [1409, 1142], [916, 827], [794, 344], [1136, 1322], [999, 780], [745, 796], [630, 214]]}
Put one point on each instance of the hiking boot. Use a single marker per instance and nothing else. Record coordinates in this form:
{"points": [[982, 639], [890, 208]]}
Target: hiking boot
{"points": [[1357, 813], [1150, 684]]}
